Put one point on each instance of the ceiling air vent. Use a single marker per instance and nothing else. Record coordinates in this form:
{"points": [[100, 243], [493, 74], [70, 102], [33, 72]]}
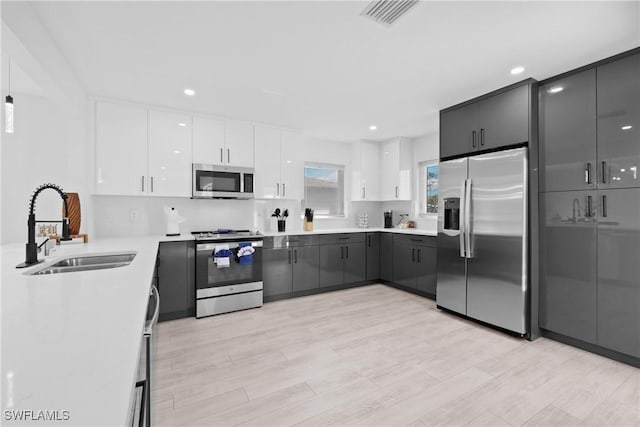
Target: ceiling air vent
{"points": [[388, 11]]}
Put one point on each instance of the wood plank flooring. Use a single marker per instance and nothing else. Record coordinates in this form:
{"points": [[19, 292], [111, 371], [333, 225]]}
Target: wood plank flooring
{"points": [[377, 356]]}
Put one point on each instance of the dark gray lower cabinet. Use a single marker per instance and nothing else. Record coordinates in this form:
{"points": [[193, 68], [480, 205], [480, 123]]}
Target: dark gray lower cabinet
{"points": [[342, 263], [568, 263], [373, 256], [176, 279], [276, 272], [414, 263], [386, 256], [619, 270], [305, 272]]}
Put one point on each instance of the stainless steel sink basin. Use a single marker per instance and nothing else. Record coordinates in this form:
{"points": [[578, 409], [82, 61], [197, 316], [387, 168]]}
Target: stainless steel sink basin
{"points": [[87, 262]]}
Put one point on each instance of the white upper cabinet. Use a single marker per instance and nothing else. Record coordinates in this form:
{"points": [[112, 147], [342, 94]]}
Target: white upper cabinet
{"points": [[169, 154], [279, 165], [292, 165], [267, 168], [239, 144], [365, 175], [395, 164], [208, 141], [222, 143], [121, 149]]}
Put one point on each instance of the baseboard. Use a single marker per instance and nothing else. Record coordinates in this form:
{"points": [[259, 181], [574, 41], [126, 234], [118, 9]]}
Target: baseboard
{"points": [[592, 348]]}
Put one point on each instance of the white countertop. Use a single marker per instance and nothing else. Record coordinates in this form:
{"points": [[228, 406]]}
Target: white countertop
{"points": [[70, 341], [418, 231]]}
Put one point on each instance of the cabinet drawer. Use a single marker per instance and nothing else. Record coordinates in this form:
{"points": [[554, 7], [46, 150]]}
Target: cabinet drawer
{"points": [[415, 240], [285, 241], [308, 240], [326, 239]]}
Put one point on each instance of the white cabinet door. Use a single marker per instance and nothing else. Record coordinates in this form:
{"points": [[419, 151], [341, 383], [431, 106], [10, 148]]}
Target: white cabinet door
{"points": [[169, 154], [239, 144], [357, 185], [121, 149], [389, 165], [292, 165], [208, 141], [395, 163], [267, 167], [370, 170]]}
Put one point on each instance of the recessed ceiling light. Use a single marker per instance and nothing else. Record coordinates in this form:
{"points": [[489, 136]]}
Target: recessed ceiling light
{"points": [[189, 92], [517, 70], [626, 127], [555, 89], [373, 127], [177, 151], [182, 125]]}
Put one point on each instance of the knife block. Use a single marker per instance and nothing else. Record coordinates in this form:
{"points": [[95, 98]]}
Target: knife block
{"points": [[307, 225]]}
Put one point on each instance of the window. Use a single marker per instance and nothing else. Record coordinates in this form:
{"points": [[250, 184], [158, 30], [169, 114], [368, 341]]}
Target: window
{"points": [[324, 189], [429, 187]]}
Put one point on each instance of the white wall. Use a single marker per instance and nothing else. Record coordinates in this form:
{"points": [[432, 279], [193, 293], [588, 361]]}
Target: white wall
{"points": [[49, 143], [425, 148]]}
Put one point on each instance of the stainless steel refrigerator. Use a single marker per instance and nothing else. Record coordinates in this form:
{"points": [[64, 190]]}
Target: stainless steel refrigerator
{"points": [[482, 238]]}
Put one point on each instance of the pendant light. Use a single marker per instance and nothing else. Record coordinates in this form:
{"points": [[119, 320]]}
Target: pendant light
{"points": [[8, 106]]}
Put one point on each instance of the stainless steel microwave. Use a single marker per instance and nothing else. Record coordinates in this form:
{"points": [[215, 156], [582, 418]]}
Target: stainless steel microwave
{"points": [[222, 182]]}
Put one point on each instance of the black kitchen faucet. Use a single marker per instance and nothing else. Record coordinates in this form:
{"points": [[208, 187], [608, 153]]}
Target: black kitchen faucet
{"points": [[32, 247]]}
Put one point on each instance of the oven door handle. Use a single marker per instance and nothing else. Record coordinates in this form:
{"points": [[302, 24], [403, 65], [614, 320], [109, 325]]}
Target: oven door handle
{"points": [[232, 245]]}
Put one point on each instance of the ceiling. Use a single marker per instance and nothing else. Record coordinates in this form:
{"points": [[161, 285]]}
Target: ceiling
{"points": [[319, 65]]}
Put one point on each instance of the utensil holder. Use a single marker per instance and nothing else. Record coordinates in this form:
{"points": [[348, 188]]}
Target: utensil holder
{"points": [[282, 225]]}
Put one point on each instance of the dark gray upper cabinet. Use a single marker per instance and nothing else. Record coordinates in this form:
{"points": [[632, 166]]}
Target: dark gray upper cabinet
{"points": [[503, 119], [276, 272], [426, 273], [457, 127], [619, 270], [386, 256], [567, 133], [355, 262], [619, 123], [176, 280], [305, 262], [373, 256], [491, 122], [568, 263]]}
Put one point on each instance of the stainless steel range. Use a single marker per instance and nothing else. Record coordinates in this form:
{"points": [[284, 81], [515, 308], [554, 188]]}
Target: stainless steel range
{"points": [[228, 271]]}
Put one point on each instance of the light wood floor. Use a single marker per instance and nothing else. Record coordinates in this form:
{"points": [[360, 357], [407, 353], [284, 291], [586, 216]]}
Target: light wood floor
{"points": [[376, 355]]}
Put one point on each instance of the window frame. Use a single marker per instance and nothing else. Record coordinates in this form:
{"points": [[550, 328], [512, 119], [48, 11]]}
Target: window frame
{"points": [[422, 196], [321, 165]]}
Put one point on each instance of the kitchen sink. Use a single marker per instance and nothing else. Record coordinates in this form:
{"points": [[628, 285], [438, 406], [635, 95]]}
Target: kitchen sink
{"points": [[86, 263]]}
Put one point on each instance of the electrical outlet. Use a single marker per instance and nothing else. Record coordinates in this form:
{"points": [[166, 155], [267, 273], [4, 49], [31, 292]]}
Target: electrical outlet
{"points": [[133, 215]]}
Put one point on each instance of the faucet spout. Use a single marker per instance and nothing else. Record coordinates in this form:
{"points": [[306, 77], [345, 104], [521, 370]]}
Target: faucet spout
{"points": [[32, 247]]}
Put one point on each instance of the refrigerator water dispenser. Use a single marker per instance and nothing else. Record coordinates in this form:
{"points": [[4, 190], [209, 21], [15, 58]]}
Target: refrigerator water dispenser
{"points": [[452, 213]]}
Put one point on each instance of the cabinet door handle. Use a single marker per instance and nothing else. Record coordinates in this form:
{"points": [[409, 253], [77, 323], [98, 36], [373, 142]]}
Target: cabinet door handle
{"points": [[228, 155], [347, 251], [295, 256], [289, 256], [151, 184], [481, 136], [587, 173], [277, 188], [284, 190], [604, 206], [142, 183], [221, 158], [396, 191], [369, 240], [473, 139], [341, 252], [418, 255], [589, 206], [604, 172], [363, 193], [413, 254]]}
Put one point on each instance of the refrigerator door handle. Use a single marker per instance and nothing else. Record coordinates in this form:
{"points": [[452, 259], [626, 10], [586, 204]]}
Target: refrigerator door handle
{"points": [[467, 219], [463, 210]]}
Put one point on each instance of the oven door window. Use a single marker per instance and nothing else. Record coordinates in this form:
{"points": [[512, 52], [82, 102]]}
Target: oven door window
{"points": [[217, 181]]}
